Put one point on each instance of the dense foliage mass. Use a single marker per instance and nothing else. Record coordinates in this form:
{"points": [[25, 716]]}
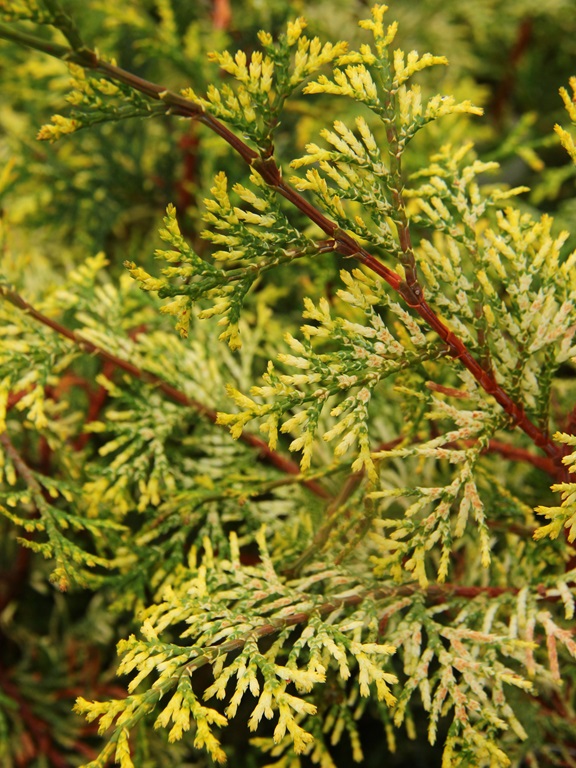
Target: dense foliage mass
{"points": [[287, 384]]}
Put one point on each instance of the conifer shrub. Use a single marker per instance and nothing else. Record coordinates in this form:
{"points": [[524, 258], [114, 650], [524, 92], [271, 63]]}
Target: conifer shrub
{"points": [[287, 387]]}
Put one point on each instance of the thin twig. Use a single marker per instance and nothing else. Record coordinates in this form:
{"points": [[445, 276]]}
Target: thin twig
{"points": [[435, 593], [265, 452], [22, 468], [521, 454], [409, 289]]}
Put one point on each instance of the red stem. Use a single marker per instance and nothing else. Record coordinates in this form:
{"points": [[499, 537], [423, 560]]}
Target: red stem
{"points": [[408, 289], [521, 454], [221, 14], [266, 453], [414, 297]]}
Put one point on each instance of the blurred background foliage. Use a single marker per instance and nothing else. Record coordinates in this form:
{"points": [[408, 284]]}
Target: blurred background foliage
{"points": [[107, 188]]}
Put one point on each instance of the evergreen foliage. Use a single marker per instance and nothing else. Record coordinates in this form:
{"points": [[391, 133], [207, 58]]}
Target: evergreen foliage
{"points": [[310, 466]]}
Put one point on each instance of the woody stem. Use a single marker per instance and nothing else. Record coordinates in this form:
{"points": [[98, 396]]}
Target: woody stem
{"points": [[409, 289]]}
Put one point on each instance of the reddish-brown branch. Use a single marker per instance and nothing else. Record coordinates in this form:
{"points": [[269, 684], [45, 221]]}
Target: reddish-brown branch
{"points": [[570, 422], [221, 14], [458, 350], [265, 452], [513, 453], [450, 391], [520, 454], [96, 401], [496, 446], [15, 397], [436, 593], [345, 244], [408, 289], [21, 467], [506, 87], [96, 398]]}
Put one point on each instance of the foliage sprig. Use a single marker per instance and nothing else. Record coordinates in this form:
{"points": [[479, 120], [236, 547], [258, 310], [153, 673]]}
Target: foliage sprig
{"points": [[402, 564]]}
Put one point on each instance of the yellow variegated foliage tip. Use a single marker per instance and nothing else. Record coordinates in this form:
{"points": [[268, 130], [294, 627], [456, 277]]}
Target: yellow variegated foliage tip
{"points": [[231, 335], [256, 76], [562, 518], [171, 223], [60, 127], [33, 403], [85, 87], [355, 82], [295, 29], [265, 38], [146, 281], [406, 66], [180, 308], [311, 55], [382, 36], [85, 90], [570, 101], [438, 106], [566, 138]]}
